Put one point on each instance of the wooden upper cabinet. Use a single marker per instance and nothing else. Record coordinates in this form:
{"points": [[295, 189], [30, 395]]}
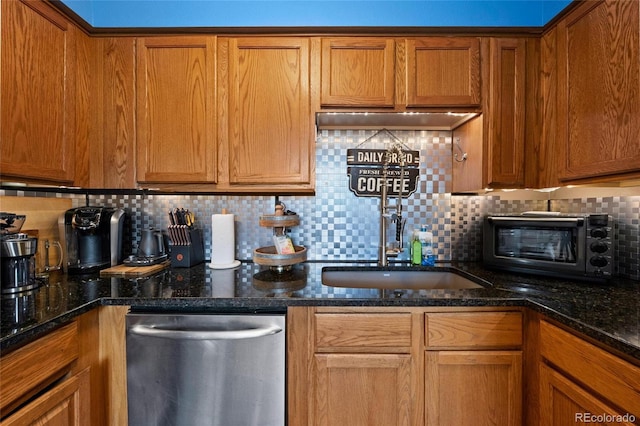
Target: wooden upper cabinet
{"points": [[38, 93], [358, 71], [495, 141], [599, 91], [443, 72], [270, 131], [505, 114], [176, 109]]}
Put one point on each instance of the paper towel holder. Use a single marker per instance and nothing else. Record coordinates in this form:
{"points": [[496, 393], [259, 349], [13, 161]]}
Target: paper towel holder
{"points": [[235, 263]]}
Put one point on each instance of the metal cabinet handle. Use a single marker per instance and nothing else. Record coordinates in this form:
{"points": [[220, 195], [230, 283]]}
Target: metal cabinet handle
{"points": [[144, 330]]}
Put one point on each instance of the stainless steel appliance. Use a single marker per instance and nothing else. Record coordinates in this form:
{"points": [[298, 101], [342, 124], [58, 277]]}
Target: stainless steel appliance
{"points": [[17, 254], [91, 238], [206, 369], [545, 243]]}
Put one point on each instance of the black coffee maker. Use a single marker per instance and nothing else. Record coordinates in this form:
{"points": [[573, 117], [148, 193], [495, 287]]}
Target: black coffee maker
{"points": [[91, 238], [17, 252]]}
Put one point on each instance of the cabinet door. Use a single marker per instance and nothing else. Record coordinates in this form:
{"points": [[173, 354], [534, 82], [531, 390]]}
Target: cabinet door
{"points": [[473, 388], [176, 110], [564, 403], [38, 92], [443, 71], [505, 115], [363, 390], [358, 72], [270, 131], [601, 372], [599, 90], [65, 404]]}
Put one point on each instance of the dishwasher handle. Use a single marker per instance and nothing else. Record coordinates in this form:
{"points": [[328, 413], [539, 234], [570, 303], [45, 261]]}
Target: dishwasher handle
{"points": [[250, 333]]}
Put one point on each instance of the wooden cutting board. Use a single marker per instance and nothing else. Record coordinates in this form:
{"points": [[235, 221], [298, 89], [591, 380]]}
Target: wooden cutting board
{"points": [[134, 271]]}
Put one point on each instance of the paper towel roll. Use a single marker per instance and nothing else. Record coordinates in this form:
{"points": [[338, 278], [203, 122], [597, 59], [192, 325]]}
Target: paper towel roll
{"points": [[223, 242]]}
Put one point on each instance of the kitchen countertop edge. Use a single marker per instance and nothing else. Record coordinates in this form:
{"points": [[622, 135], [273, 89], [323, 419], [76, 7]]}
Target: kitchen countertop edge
{"points": [[503, 297], [614, 343]]}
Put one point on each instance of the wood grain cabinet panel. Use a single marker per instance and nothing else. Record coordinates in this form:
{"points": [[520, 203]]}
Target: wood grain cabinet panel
{"points": [[176, 110], [564, 403], [31, 368], [473, 388], [358, 71], [270, 128], [599, 91], [473, 330], [38, 93], [363, 390], [603, 374], [495, 142], [443, 71], [505, 115], [354, 366], [370, 332], [66, 404], [473, 368]]}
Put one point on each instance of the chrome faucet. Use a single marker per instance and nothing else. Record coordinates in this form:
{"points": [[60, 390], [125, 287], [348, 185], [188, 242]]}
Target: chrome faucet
{"points": [[393, 154]]}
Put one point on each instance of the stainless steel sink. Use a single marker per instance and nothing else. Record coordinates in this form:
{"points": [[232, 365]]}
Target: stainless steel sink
{"points": [[394, 278]]}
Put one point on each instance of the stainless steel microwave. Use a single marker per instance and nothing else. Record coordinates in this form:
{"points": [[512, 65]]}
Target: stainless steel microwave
{"points": [[570, 246]]}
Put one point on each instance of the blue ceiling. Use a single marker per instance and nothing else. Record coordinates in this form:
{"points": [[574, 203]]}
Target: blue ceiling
{"points": [[316, 13]]}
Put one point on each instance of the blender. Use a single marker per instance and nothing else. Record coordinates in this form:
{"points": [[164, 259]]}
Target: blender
{"points": [[17, 254]]}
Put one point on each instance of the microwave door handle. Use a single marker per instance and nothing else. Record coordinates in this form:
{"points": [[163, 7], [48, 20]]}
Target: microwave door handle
{"points": [[250, 333], [579, 221]]}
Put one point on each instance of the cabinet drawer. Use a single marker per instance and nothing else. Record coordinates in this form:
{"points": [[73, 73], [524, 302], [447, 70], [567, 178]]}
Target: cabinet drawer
{"points": [[349, 332], [473, 330], [66, 403], [609, 376], [29, 369]]}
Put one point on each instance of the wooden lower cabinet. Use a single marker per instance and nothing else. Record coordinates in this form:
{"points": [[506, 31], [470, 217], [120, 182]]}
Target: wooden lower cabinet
{"points": [[580, 383], [564, 403], [75, 375], [404, 366], [42, 384], [473, 388], [473, 368], [354, 366], [363, 389], [65, 404]]}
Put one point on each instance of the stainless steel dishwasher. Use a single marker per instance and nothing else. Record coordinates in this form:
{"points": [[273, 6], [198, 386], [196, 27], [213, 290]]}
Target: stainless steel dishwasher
{"points": [[206, 369]]}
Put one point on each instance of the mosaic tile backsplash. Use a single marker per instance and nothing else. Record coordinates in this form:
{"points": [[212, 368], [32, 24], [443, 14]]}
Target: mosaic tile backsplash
{"points": [[335, 224]]}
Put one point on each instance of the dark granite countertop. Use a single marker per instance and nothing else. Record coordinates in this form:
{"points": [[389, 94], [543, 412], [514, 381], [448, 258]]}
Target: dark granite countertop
{"points": [[607, 312]]}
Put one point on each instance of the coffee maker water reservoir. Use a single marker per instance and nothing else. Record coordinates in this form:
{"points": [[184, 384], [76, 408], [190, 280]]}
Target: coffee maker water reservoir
{"points": [[91, 238]]}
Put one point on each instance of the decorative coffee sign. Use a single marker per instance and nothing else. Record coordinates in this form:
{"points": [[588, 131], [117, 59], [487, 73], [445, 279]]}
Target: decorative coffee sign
{"points": [[366, 172]]}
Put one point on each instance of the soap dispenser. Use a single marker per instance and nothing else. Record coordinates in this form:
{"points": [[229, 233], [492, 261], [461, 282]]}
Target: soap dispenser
{"points": [[416, 248], [426, 241]]}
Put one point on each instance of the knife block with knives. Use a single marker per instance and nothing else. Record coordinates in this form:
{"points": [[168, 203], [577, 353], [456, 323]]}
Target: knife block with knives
{"points": [[187, 248]]}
